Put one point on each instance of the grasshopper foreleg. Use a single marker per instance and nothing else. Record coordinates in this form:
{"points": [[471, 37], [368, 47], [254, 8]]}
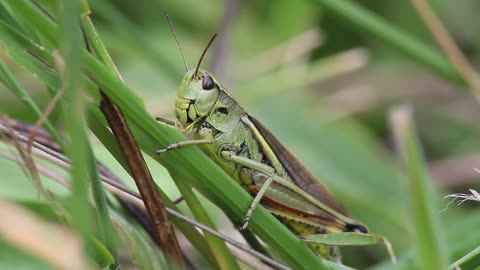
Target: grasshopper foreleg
{"points": [[182, 144], [174, 123]]}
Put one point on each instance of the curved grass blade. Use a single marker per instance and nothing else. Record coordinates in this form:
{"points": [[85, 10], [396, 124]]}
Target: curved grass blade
{"points": [[352, 239]]}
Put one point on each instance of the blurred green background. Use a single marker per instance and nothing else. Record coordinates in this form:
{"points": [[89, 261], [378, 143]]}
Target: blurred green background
{"points": [[323, 85]]}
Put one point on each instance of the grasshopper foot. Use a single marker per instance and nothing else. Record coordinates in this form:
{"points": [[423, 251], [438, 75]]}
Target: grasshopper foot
{"points": [[178, 200], [160, 151], [244, 224]]}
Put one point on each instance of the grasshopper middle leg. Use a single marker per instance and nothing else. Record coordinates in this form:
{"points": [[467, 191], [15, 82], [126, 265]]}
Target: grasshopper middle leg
{"points": [[256, 166], [255, 202], [166, 121]]}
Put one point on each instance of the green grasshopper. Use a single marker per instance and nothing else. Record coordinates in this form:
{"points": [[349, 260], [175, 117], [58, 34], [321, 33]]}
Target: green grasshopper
{"points": [[208, 114]]}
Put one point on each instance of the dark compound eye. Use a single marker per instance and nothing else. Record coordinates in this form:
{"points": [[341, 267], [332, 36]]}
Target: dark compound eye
{"points": [[208, 83]]}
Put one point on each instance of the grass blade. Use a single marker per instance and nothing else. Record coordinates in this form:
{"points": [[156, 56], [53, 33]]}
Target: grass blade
{"points": [[219, 249], [197, 169], [470, 261], [428, 235], [373, 24], [352, 239], [17, 46], [74, 116], [7, 78]]}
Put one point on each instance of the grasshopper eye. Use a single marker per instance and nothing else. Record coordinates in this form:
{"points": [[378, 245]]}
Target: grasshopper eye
{"points": [[208, 83]]}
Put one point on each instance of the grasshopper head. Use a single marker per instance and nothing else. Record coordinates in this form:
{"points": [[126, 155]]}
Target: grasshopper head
{"points": [[196, 96]]}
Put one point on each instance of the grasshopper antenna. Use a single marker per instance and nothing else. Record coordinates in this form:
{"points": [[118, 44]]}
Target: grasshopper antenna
{"points": [[176, 39], [203, 54]]}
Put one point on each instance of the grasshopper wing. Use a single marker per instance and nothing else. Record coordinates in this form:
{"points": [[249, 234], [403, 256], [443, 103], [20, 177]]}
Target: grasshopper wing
{"points": [[297, 172]]}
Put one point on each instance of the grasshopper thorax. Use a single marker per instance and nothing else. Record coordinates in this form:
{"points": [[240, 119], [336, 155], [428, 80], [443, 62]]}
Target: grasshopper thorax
{"points": [[196, 96]]}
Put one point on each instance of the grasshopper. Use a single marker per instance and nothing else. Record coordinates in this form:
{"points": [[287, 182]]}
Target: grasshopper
{"points": [[251, 154]]}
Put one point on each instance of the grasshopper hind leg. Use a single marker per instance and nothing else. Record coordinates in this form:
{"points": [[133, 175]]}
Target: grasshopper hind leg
{"points": [[301, 229]]}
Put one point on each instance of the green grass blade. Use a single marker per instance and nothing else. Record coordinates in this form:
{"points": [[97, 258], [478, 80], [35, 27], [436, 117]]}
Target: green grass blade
{"points": [[369, 22], [461, 241], [470, 261], [16, 47], [100, 51], [351, 239], [7, 78], [197, 169], [26, 12], [219, 249], [94, 39], [79, 150], [106, 233], [428, 236], [147, 255]]}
